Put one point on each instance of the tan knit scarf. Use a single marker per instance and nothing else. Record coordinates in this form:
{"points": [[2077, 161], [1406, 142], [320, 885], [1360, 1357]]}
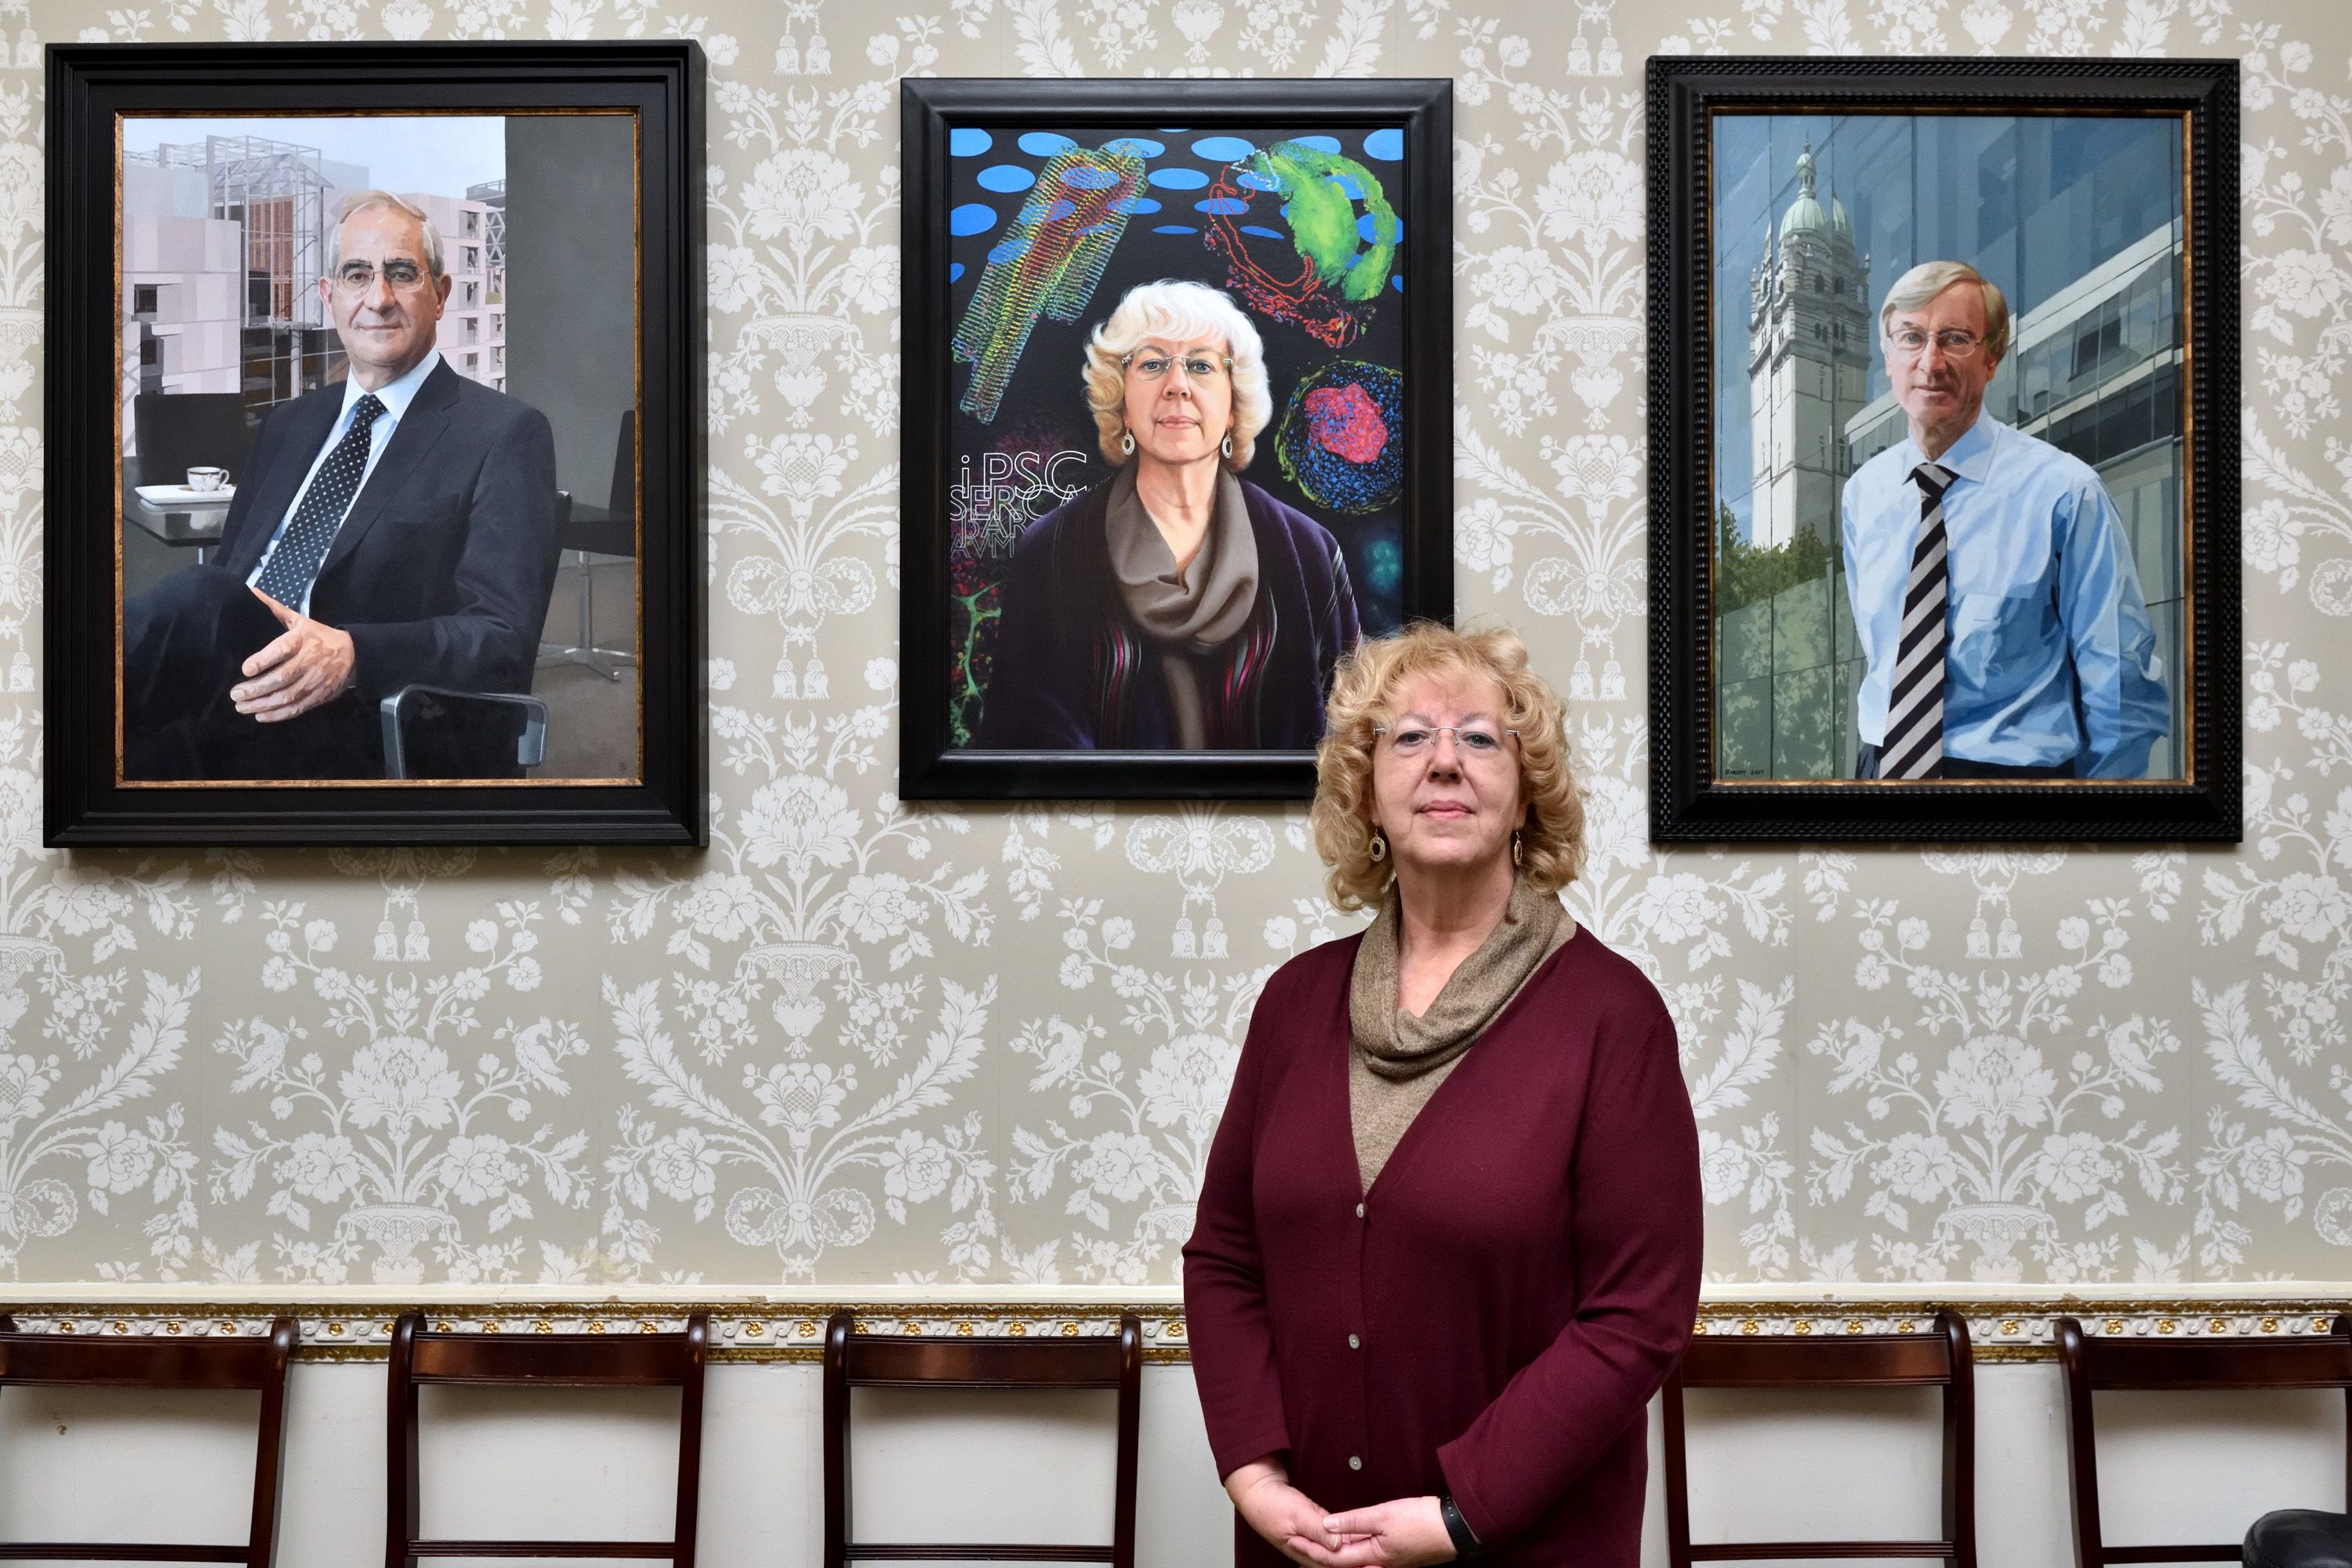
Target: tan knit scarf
{"points": [[1188, 613], [1397, 1059]]}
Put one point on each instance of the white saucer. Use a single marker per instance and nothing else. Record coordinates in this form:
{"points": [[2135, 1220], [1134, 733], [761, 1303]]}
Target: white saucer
{"points": [[183, 496]]}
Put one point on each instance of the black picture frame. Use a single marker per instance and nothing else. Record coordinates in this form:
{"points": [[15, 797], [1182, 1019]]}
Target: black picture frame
{"points": [[1689, 803], [930, 767], [662, 84]]}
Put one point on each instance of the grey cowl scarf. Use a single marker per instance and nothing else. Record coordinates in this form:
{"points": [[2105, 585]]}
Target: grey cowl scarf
{"points": [[1397, 1060], [1188, 615]]}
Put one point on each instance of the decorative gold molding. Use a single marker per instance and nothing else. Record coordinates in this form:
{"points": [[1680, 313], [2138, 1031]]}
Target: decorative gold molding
{"points": [[2005, 1330], [785, 1332], [2019, 1330]]}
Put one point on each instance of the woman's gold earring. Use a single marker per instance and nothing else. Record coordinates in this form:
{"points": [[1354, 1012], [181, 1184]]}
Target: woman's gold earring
{"points": [[1379, 850], [1127, 443], [1518, 850]]}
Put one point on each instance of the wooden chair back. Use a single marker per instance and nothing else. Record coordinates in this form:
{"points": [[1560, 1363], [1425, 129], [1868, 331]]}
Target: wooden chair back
{"points": [[252, 1363], [1941, 1359], [853, 1360], [420, 1355], [2094, 1363]]}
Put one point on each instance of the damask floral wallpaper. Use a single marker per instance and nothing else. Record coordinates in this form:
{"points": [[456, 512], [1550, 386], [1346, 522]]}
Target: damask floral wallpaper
{"points": [[860, 1043]]}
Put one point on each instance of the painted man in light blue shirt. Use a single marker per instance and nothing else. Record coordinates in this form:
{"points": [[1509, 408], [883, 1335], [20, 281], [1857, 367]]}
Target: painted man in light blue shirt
{"points": [[2050, 668]]}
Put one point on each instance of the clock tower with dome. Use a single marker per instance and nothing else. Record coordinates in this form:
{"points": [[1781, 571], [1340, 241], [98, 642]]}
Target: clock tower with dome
{"points": [[1808, 346]]}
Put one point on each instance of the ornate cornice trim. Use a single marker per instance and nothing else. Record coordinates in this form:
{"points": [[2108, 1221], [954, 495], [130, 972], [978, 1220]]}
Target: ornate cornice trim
{"points": [[2008, 1327]]}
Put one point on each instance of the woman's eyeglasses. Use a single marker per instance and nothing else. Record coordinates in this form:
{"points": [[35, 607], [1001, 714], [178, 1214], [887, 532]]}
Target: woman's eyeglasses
{"points": [[1419, 740]]}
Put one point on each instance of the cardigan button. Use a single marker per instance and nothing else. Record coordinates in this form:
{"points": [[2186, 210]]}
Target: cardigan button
{"points": [[1355, 1461], [1354, 1343], [1360, 1211]]}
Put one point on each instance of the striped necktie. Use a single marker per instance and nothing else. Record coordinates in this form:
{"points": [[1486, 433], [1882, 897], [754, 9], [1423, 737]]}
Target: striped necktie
{"points": [[1915, 708], [295, 560]]}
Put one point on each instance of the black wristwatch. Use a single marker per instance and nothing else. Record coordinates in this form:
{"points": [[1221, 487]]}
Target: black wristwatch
{"points": [[1465, 1545]]}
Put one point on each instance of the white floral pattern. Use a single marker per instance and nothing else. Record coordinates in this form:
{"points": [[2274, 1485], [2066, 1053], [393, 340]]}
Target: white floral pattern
{"points": [[855, 1041], [404, 1142]]}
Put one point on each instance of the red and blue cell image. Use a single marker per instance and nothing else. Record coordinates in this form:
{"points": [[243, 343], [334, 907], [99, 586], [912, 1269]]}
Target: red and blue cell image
{"points": [[1341, 440]]}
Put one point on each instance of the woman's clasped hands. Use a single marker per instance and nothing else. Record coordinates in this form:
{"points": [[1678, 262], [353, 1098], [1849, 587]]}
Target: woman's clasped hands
{"points": [[1407, 1532]]}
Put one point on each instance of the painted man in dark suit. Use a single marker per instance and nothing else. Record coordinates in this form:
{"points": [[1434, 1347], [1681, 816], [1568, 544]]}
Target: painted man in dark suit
{"points": [[396, 529]]}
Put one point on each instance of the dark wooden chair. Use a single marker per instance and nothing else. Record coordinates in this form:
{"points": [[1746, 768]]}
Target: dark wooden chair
{"points": [[225, 1364], [2094, 1362], [1940, 1358], [420, 1355], [853, 1360]]}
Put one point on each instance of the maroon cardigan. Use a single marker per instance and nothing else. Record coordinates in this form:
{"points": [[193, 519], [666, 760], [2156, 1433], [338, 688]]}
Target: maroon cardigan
{"points": [[1519, 1278]]}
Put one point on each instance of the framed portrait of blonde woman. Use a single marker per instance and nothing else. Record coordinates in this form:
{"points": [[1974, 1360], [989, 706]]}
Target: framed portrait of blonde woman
{"points": [[1943, 369], [1177, 394]]}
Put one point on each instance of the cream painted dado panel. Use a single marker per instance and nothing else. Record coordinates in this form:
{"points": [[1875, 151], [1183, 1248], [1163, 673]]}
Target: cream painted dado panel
{"points": [[1005, 1467], [854, 1045]]}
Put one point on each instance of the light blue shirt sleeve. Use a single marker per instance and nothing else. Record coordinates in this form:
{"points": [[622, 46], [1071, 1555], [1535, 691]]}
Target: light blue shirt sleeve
{"points": [[2051, 658], [2124, 705]]}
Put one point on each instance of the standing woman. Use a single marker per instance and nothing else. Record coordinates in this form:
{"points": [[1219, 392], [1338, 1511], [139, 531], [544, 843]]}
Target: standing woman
{"points": [[1448, 1238]]}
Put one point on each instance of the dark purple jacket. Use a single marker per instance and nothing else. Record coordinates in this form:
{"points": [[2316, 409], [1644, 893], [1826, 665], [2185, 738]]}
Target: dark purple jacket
{"points": [[1072, 671], [1492, 1317]]}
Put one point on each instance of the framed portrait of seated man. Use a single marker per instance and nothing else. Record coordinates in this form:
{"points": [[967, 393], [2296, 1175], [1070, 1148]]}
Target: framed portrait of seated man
{"points": [[374, 432], [1944, 493]]}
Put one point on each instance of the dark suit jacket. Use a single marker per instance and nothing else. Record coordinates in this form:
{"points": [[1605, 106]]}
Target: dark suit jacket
{"points": [[442, 570]]}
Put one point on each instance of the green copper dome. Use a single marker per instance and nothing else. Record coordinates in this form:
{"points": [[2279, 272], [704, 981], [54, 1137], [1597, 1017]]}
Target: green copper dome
{"points": [[1805, 214]]}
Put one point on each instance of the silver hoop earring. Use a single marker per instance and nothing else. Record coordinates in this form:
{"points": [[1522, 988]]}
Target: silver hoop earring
{"points": [[1127, 443], [1229, 446], [1379, 850]]}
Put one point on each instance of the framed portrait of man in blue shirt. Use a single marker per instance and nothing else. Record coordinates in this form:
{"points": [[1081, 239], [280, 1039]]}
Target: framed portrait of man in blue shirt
{"points": [[1944, 470]]}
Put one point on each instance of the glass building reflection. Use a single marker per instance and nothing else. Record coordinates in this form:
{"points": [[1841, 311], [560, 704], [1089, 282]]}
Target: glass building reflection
{"points": [[2077, 220]]}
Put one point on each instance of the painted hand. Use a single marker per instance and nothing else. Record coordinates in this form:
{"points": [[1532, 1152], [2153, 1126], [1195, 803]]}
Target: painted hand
{"points": [[309, 664]]}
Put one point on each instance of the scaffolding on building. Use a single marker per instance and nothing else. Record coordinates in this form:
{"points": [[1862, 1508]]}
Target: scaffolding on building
{"points": [[277, 192], [492, 194]]}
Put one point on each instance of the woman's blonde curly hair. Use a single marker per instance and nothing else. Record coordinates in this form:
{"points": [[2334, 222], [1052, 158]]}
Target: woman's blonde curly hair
{"points": [[1178, 313], [1551, 841]]}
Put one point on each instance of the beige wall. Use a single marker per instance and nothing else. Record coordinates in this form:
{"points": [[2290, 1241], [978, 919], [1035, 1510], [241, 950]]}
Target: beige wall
{"points": [[849, 1044]]}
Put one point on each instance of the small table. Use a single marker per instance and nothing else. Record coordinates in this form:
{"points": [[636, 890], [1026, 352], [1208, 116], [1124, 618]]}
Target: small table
{"points": [[182, 518]]}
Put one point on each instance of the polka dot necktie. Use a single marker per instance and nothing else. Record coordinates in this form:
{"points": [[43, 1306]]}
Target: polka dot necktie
{"points": [[295, 560], [1915, 708]]}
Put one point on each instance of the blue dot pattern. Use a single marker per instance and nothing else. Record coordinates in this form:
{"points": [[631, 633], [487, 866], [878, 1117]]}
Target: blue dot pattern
{"points": [[295, 560]]}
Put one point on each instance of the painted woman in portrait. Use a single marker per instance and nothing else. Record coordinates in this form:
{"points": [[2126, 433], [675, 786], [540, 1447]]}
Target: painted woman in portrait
{"points": [[1175, 605]]}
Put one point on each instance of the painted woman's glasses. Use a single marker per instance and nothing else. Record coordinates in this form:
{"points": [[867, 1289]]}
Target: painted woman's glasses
{"points": [[1153, 367]]}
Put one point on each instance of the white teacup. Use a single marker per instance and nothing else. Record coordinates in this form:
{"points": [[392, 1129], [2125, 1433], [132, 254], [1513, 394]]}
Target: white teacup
{"points": [[207, 478]]}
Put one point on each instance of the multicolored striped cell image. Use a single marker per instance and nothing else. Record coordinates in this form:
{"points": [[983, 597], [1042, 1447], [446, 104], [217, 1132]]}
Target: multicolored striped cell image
{"points": [[1307, 232]]}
